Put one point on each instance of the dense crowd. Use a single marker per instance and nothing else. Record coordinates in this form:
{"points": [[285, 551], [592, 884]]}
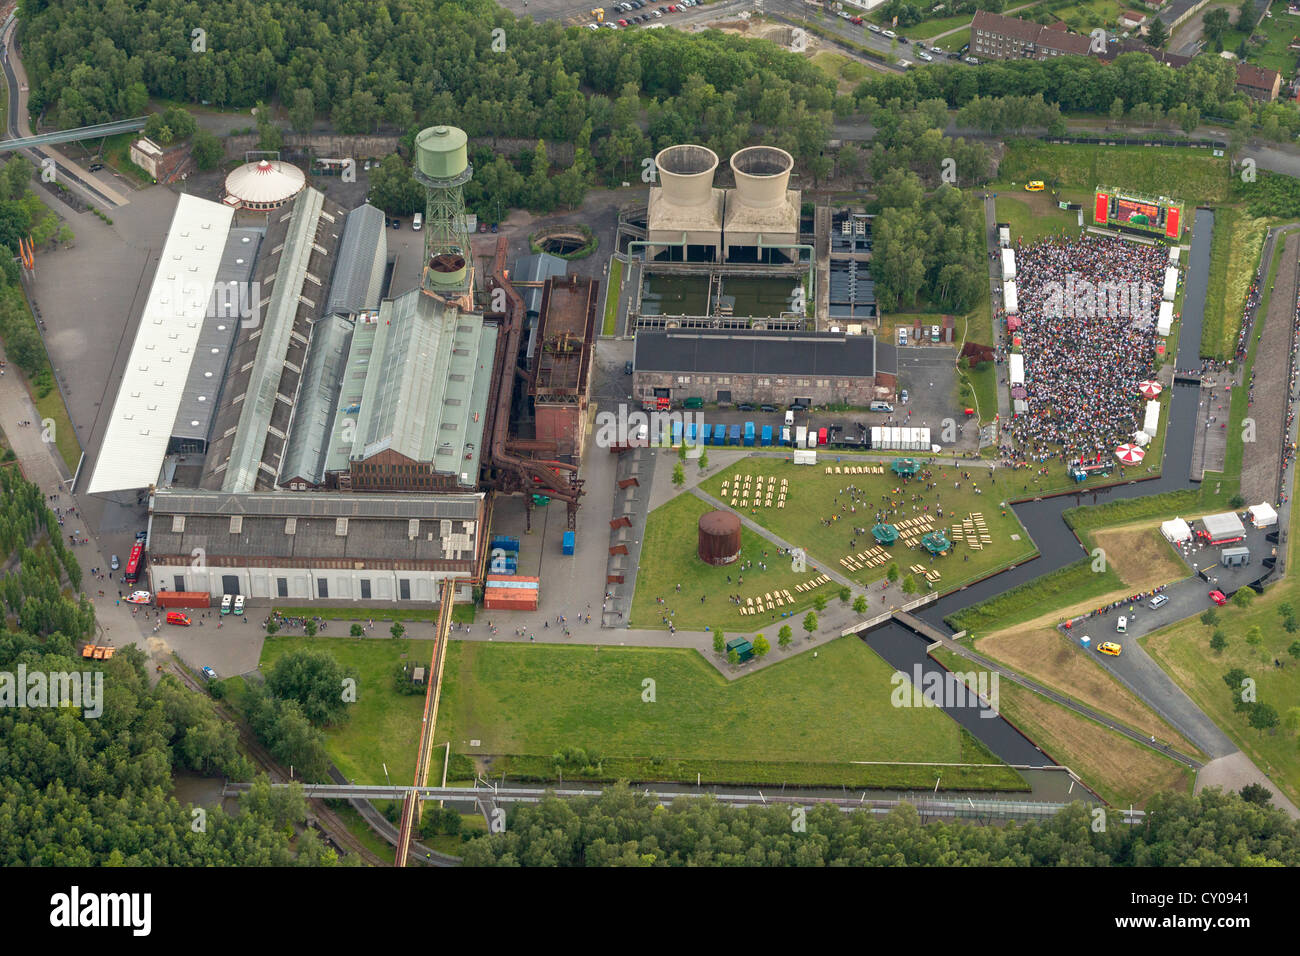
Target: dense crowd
{"points": [[1082, 365]]}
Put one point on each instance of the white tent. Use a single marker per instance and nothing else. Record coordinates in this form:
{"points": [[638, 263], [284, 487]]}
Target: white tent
{"points": [[1008, 264], [1173, 254], [1151, 424], [1020, 406], [1263, 515], [1004, 236], [1176, 531], [1142, 438], [1171, 283], [1009, 299], [875, 436], [1016, 369], [1166, 320], [1224, 527]]}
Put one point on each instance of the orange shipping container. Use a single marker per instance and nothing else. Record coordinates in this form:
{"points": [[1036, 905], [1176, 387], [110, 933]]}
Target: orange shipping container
{"points": [[509, 599]]}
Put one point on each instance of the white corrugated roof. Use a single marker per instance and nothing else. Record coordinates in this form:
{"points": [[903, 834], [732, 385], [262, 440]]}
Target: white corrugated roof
{"points": [[135, 441]]}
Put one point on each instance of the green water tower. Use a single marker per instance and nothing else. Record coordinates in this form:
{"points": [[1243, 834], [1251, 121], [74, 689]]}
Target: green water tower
{"points": [[442, 167]]}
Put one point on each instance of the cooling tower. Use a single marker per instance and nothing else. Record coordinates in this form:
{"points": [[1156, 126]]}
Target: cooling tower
{"points": [[762, 176], [686, 174], [685, 211], [762, 218]]}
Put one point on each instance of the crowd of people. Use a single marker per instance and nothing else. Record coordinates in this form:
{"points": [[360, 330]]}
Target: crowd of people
{"points": [[1082, 365]]}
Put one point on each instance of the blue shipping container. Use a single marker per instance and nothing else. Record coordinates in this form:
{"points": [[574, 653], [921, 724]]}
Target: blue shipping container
{"points": [[690, 433], [734, 437], [569, 543], [505, 543], [767, 435], [749, 433], [719, 434], [677, 434]]}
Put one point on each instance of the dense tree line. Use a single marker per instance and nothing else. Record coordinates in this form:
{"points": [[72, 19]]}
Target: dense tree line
{"points": [[623, 828], [305, 690], [406, 64], [1088, 85], [96, 790]]}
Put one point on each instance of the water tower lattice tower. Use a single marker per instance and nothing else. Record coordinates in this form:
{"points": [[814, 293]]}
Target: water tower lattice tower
{"points": [[442, 167]]}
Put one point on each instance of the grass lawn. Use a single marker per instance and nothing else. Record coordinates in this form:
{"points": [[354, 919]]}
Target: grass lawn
{"points": [[384, 726], [1118, 769], [805, 720], [931, 28], [1234, 257], [812, 500], [65, 438], [1074, 582], [668, 557], [612, 288], [1190, 175], [845, 71], [1273, 53], [461, 612], [1033, 216]]}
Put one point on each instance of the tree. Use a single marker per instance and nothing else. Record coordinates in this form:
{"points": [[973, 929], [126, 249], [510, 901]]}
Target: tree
{"points": [[397, 630], [1256, 793], [310, 627], [810, 623], [719, 645], [860, 604], [272, 627], [314, 679], [302, 114], [819, 166], [784, 636], [679, 476], [892, 574], [1214, 25], [1243, 597], [845, 594], [1246, 17], [1116, 111], [206, 150], [1158, 33], [356, 630], [819, 602], [269, 135], [761, 646], [1254, 635], [733, 657], [1263, 717], [909, 585], [704, 461], [1294, 649], [1209, 617], [1234, 678], [393, 189], [1218, 642]]}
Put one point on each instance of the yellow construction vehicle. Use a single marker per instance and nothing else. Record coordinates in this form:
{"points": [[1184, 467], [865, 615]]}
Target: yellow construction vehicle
{"points": [[599, 14]]}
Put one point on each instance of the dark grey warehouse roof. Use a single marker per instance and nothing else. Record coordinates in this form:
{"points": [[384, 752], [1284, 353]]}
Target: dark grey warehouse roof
{"points": [[362, 259], [777, 353]]}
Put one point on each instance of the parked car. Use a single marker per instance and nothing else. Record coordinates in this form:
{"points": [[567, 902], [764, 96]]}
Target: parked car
{"points": [[1110, 647], [138, 597], [113, 563], [744, 407], [889, 33], [239, 604], [923, 55], [1159, 601], [903, 396], [971, 60], [767, 408], [226, 601], [1218, 598], [1121, 626], [627, 367], [904, 40], [209, 673], [881, 407], [417, 221], [176, 617], [902, 336], [873, 28], [96, 167]]}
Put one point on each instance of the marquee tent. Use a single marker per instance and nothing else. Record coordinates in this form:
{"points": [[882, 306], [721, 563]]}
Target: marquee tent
{"points": [[1176, 531]]}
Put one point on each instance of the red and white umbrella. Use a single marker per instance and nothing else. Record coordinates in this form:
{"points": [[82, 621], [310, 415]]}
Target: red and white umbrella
{"points": [[1149, 389], [1130, 454]]}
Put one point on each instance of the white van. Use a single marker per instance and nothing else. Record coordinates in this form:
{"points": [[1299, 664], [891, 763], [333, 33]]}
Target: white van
{"points": [[418, 221], [902, 336], [881, 407], [789, 416], [1121, 625], [225, 603], [239, 604]]}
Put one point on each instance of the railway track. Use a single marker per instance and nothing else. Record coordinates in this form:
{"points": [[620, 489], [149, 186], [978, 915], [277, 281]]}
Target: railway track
{"points": [[331, 823]]}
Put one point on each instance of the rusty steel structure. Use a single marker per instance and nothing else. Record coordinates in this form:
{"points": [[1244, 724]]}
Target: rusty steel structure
{"points": [[514, 466], [719, 540]]}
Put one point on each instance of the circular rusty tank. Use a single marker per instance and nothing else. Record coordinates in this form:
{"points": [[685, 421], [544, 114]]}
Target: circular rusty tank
{"points": [[719, 537]]}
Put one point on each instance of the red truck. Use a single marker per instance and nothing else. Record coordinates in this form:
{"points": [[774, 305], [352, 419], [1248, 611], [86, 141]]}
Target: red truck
{"points": [[182, 599]]}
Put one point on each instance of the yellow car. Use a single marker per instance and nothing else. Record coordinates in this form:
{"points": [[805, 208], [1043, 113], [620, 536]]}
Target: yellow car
{"points": [[1036, 186], [1110, 647]]}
